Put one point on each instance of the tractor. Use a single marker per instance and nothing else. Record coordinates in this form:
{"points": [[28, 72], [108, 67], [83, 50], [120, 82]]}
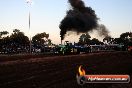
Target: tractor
{"points": [[69, 48]]}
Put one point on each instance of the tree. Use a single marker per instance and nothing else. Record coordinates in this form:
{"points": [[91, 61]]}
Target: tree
{"points": [[3, 33], [125, 35], [84, 39], [3, 41], [49, 42], [16, 31], [108, 39], [40, 39], [124, 39], [95, 41], [117, 41], [19, 37], [18, 40]]}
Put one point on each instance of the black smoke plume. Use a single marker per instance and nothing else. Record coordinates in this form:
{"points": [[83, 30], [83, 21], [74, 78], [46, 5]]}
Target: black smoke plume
{"points": [[102, 30], [79, 18]]}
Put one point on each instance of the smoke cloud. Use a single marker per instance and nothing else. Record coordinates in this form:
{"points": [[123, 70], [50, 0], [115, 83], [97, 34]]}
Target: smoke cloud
{"points": [[102, 30], [79, 18]]}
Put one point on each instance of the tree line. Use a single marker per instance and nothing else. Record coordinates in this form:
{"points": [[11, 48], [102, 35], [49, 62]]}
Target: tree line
{"points": [[124, 39], [18, 42]]}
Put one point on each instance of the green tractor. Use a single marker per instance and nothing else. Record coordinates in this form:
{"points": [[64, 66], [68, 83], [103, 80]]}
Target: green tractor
{"points": [[68, 48], [65, 49]]}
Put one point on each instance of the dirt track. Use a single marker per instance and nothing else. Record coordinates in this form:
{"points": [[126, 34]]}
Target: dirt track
{"points": [[60, 71]]}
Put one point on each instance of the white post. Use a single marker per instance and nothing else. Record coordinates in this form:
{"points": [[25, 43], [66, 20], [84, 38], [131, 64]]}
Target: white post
{"points": [[30, 2]]}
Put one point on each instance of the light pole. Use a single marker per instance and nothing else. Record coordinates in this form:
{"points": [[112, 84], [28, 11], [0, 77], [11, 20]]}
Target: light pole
{"points": [[29, 20]]}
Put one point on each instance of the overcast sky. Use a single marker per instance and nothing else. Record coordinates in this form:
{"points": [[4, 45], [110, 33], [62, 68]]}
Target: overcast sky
{"points": [[46, 15]]}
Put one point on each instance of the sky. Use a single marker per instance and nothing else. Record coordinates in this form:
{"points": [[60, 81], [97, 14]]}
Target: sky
{"points": [[46, 16]]}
